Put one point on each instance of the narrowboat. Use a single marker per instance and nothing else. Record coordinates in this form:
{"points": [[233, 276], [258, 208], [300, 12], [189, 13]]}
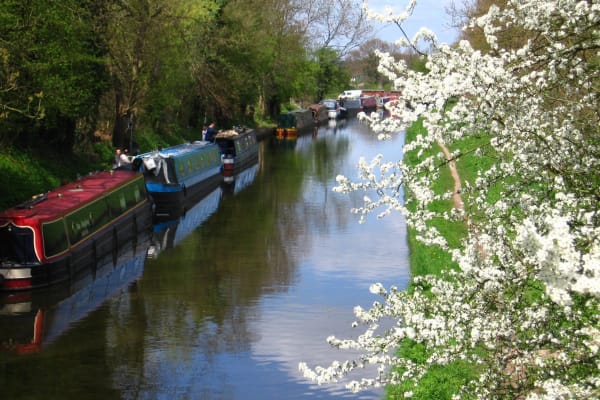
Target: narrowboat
{"points": [[55, 236], [334, 109], [176, 177], [289, 124], [351, 107], [320, 113], [238, 148], [368, 104]]}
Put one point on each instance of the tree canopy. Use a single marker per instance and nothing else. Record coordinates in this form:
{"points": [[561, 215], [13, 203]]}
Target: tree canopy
{"points": [[72, 72]]}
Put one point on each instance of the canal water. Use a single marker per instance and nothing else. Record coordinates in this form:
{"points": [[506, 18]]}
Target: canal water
{"points": [[224, 302]]}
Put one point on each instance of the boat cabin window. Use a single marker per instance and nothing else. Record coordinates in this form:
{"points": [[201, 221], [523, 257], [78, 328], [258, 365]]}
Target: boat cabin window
{"points": [[87, 220], [55, 237], [16, 244], [245, 143], [126, 197]]}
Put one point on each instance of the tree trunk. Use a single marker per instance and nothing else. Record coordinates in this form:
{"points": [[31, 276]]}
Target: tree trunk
{"points": [[119, 139]]}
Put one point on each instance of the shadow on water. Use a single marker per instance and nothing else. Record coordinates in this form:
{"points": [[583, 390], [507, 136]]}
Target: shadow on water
{"points": [[234, 293]]}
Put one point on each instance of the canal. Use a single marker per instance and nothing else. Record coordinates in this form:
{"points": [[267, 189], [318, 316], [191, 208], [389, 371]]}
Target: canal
{"points": [[224, 302]]}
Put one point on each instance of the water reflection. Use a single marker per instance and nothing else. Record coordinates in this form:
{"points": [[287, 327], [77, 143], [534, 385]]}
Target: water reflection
{"points": [[236, 295], [231, 310], [31, 320], [238, 182], [167, 233]]}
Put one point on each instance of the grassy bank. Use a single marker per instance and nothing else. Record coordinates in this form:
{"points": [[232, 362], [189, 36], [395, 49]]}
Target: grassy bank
{"points": [[440, 382], [27, 172], [425, 260]]}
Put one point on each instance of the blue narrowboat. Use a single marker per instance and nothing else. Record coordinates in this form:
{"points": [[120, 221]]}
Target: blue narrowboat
{"points": [[176, 177]]}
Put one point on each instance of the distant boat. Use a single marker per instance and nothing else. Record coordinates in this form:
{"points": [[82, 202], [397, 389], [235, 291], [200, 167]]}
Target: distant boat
{"points": [[334, 109], [176, 177], [239, 149], [58, 235], [290, 124], [320, 113]]}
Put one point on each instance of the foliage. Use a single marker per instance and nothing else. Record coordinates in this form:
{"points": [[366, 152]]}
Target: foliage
{"points": [[9, 102], [73, 71], [508, 36], [249, 61], [340, 25], [27, 173], [523, 305], [362, 63], [424, 259], [151, 44], [50, 53], [331, 76]]}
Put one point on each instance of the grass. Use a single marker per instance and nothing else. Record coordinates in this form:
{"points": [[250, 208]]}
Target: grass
{"points": [[425, 260], [442, 381], [25, 173]]}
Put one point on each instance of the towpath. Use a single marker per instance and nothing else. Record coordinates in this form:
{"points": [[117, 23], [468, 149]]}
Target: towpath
{"points": [[458, 203]]}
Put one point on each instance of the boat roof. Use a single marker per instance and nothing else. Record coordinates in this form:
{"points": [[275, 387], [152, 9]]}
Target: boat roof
{"points": [[51, 205], [234, 135], [178, 150]]}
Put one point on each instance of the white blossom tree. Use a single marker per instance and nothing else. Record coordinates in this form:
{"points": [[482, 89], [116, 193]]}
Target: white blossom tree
{"points": [[523, 307]]}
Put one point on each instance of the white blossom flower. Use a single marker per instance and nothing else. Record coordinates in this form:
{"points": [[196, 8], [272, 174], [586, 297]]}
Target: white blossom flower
{"points": [[527, 293]]}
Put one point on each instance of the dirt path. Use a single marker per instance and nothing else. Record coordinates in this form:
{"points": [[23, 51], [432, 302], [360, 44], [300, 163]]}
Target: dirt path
{"points": [[458, 203]]}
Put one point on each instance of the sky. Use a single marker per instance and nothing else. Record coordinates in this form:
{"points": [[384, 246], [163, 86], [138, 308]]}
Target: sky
{"points": [[427, 13]]}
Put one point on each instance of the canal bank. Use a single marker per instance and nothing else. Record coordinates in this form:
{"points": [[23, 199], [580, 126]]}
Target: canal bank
{"points": [[430, 260]]}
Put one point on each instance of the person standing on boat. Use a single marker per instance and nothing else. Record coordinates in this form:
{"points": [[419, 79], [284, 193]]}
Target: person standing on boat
{"points": [[117, 159], [211, 132], [204, 130], [124, 157], [121, 159]]}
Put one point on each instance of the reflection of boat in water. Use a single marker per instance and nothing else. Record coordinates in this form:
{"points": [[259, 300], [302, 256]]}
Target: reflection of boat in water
{"points": [[51, 238], [336, 125], [238, 182], [276, 143], [29, 320], [178, 175], [168, 233]]}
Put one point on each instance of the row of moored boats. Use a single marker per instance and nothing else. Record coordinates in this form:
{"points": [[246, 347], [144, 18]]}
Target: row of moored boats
{"points": [[56, 236]]}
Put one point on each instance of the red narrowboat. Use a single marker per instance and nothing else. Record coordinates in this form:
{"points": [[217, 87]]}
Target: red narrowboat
{"points": [[56, 236]]}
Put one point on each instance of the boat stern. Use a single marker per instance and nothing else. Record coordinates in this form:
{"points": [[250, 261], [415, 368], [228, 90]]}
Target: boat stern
{"points": [[15, 277]]}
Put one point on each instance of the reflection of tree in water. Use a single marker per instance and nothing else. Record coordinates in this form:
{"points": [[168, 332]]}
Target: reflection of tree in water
{"points": [[325, 158], [195, 300]]}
